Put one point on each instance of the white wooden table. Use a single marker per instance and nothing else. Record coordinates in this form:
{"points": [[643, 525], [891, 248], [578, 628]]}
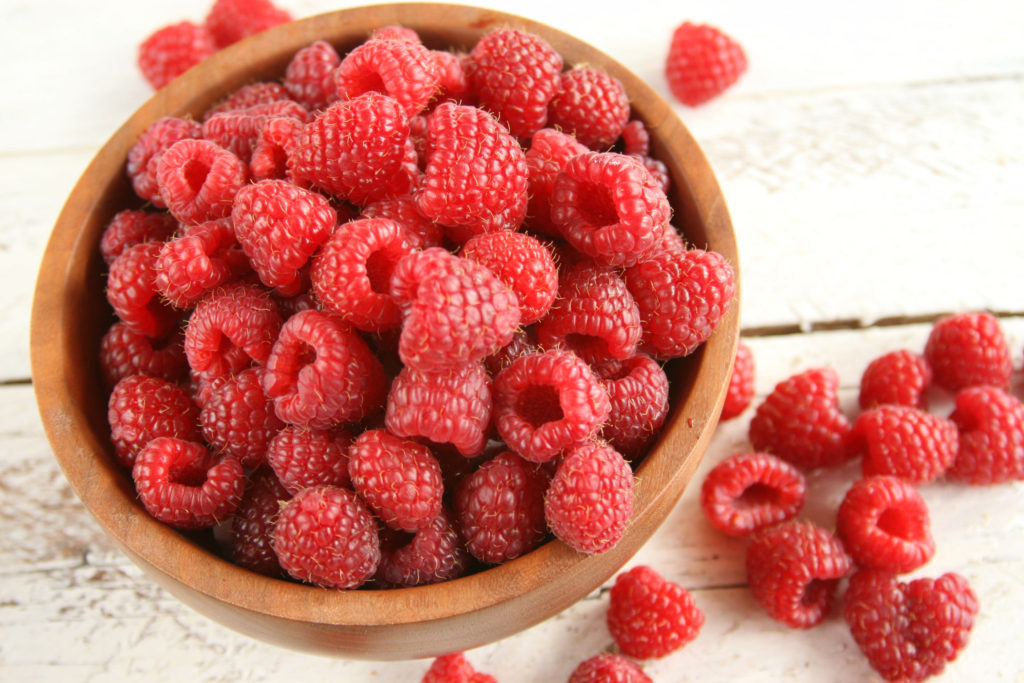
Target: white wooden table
{"points": [[873, 161]]}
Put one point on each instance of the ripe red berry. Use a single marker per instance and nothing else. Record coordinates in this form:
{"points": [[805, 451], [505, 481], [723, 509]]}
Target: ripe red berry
{"points": [[302, 457], [172, 50], [638, 390], [204, 257], [748, 492], [990, 423], [123, 352], [549, 151], [884, 524], [198, 180], [133, 293], [899, 377], [402, 69], [141, 408], [608, 667], [455, 668], [741, 383], [434, 553], [231, 20], [649, 616], [968, 349], [144, 156], [591, 105], [237, 417], [130, 227], [523, 263], [309, 77], [253, 524], [238, 130], [905, 442], [702, 62]]}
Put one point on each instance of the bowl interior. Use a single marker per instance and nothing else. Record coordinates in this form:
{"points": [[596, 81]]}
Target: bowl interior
{"points": [[70, 315]]}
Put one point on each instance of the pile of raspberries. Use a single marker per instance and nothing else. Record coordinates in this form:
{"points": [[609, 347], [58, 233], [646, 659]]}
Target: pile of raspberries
{"points": [[402, 314]]}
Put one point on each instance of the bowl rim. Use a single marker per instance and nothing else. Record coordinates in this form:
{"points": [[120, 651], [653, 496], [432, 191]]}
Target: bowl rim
{"points": [[167, 554]]}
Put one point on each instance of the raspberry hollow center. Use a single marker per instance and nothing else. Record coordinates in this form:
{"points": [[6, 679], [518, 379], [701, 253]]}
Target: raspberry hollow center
{"points": [[378, 270], [896, 523], [596, 205], [195, 173], [539, 404], [758, 495]]}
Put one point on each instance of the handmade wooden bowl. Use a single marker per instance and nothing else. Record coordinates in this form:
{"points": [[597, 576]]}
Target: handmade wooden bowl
{"points": [[70, 315]]}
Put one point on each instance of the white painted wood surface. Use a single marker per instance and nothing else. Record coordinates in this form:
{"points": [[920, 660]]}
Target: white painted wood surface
{"points": [[873, 160]]}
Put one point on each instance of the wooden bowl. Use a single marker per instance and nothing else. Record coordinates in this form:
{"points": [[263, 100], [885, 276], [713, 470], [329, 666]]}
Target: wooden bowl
{"points": [[70, 315]]}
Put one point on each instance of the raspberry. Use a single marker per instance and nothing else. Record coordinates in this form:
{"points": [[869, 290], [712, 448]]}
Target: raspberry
{"points": [[659, 171], [636, 139], [396, 32], [238, 130], [968, 349], [198, 180], [275, 145], [237, 417], [800, 421], [905, 442], [320, 373], [453, 81], [434, 554], [132, 291], [230, 328], [129, 227], [590, 499], [748, 492], [455, 668], [457, 311], [523, 342], [309, 77], [591, 105], [741, 383], [638, 390], [702, 62], [899, 377], [550, 150], [884, 525], [514, 76], [351, 273], [402, 69], [142, 408], [423, 232], [594, 315], [793, 569], [172, 50], [144, 156], [545, 403], [182, 484], [522, 263], [325, 536], [202, 259], [231, 20], [609, 207], [449, 406], [475, 178], [250, 95], [499, 508], [253, 524], [279, 226], [990, 423], [909, 631], [608, 668], [302, 457], [399, 479], [123, 352], [355, 149], [649, 616]]}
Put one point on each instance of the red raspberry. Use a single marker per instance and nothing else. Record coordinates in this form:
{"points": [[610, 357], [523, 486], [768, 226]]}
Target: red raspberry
{"points": [[320, 373], [142, 408], [591, 105], [909, 631], [741, 383], [609, 207], [237, 417], [129, 227], [457, 311], [453, 81], [172, 50], [590, 499], [608, 668], [650, 616], [133, 294], [659, 171], [550, 150], [198, 180], [702, 62], [238, 130], [968, 349], [325, 536], [905, 442], [309, 77], [232, 327], [434, 553], [396, 32], [352, 272], [545, 403], [202, 259], [275, 145], [899, 377], [402, 69], [522, 263], [636, 140], [594, 315], [123, 352], [455, 668], [144, 156], [448, 406], [638, 390], [182, 484], [682, 297], [356, 149], [279, 226], [793, 569], [250, 95], [884, 524], [398, 478], [990, 423], [522, 343], [475, 178], [514, 75], [302, 457], [231, 20], [800, 421], [423, 232], [499, 508], [253, 524], [748, 492]]}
